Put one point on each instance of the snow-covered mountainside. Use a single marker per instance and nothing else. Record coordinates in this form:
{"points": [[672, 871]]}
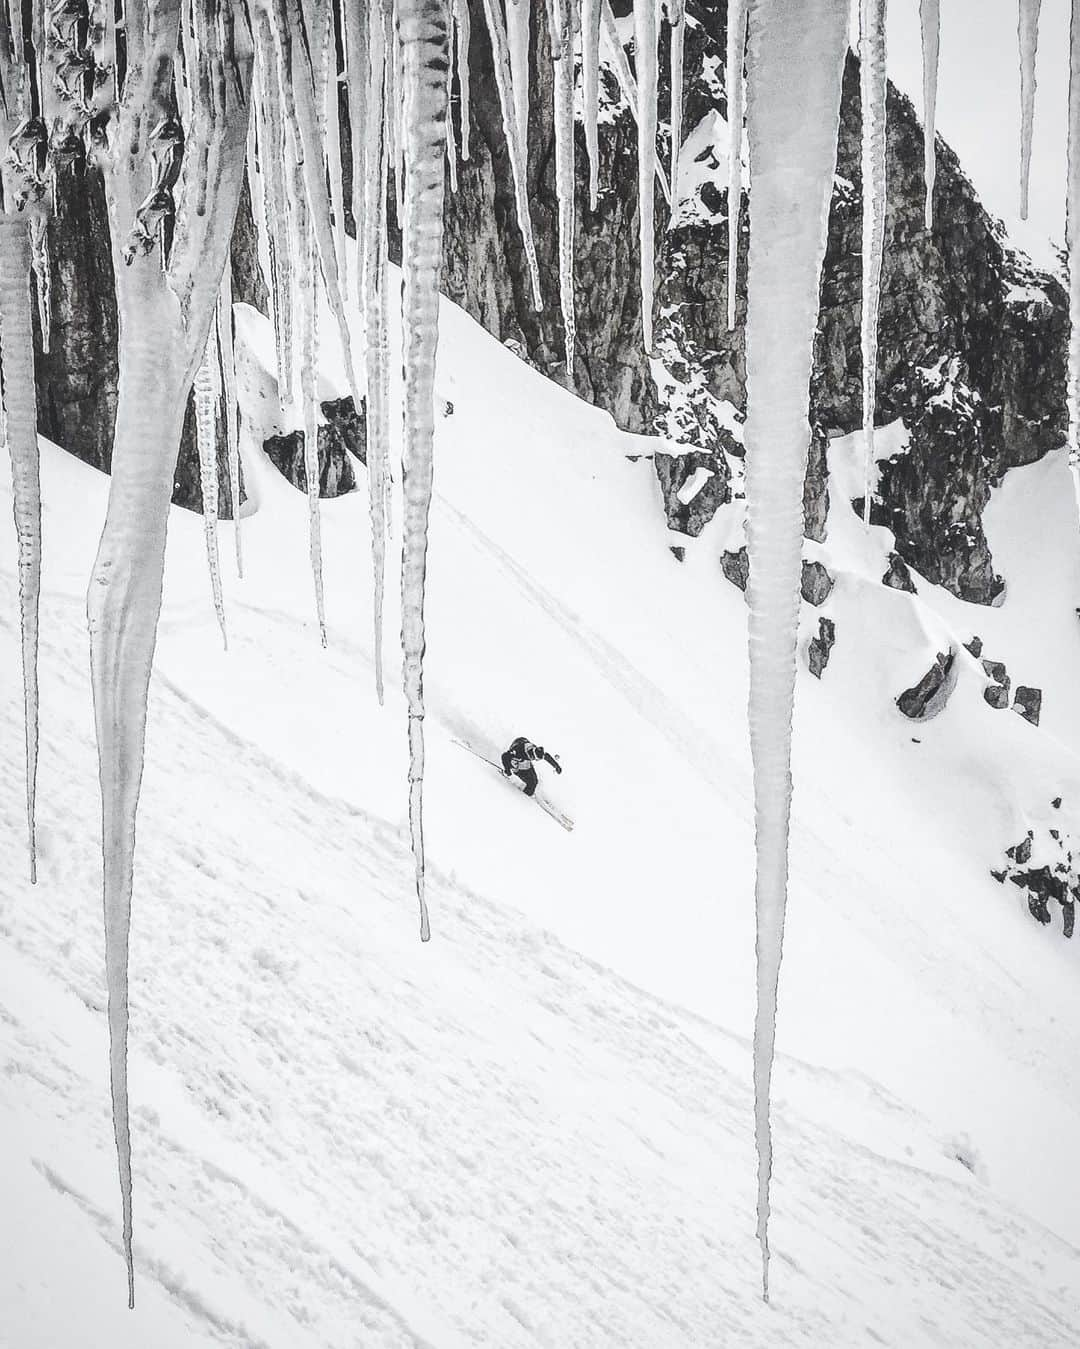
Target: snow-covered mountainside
{"points": [[537, 1129]]}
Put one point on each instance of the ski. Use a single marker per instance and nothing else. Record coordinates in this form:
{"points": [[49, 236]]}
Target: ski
{"points": [[544, 804]]}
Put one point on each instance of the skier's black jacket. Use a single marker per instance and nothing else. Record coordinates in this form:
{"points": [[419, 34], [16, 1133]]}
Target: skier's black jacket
{"points": [[522, 754]]}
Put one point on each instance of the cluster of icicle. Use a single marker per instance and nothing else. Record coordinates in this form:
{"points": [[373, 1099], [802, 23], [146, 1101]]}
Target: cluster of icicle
{"points": [[164, 96]]}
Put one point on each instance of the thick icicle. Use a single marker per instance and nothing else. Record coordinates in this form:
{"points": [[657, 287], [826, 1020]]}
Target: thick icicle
{"points": [[228, 386], [517, 35], [678, 34], [377, 350], [332, 115], [463, 25], [39, 252], [206, 399], [929, 13], [1028, 34], [424, 26], [560, 27], [609, 28], [645, 60], [20, 432], [735, 87], [872, 83], [451, 142], [515, 141], [1072, 243], [792, 129], [590, 91], [359, 21]]}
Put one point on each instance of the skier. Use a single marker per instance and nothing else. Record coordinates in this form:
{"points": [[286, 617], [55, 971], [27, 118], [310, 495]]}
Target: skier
{"points": [[519, 759]]}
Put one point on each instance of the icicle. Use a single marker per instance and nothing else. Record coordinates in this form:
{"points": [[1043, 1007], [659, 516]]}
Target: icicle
{"points": [[463, 25], [1072, 244], [1028, 34], [451, 144], [424, 27], [736, 50], [678, 34], [275, 200], [645, 60], [309, 376], [377, 402], [515, 141], [792, 129], [590, 91], [228, 385], [624, 75], [39, 252], [358, 21], [872, 81], [930, 17], [397, 111], [206, 398], [20, 433], [332, 116], [560, 26], [517, 35]]}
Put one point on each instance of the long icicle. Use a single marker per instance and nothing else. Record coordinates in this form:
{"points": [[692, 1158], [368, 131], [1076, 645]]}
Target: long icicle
{"points": [[358, 20], [20, 432], [929, 14], [517, 35], [560, 27], [792, 131], [309, 377], [1028, 35], [377, 353], [206, 401], [515, 143], [872, 83], [227, 350], [1072, 243], [463, 24], [424, 27], [645, 60], [332, 117], [609, 29], [735, 89], [677, 18], [590, 91]]}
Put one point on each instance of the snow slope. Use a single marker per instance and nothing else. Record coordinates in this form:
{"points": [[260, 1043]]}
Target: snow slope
{"points": [[537, 1129]]}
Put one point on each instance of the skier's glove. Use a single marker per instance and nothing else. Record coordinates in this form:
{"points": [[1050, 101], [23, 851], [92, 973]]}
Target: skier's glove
{"points": [[558, 768]]}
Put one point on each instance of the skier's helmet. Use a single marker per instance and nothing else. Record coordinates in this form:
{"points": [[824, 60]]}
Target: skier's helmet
{"points": [[538, 751]]}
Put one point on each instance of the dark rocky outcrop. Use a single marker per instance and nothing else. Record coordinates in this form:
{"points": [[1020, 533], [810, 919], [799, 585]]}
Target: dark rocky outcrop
{"points": [[736, 567], [676, 472], [817, 584], [930, 694], [344, 433], [1028, 702], [820, 647], [1043, 868], [972, 349], [897, 575], [975, 646]]}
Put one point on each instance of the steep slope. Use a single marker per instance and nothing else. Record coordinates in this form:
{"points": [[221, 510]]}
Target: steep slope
{"points": [[537, 1129]]}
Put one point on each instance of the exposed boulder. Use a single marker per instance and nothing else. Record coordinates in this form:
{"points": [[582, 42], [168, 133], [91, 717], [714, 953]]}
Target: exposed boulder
{"points": [[975, 646], [931, 693], [694, 486], [1028, 702], [897, 575], [344, 432], [997, 696], [1042, 865], [817, 652], [997, 673], [736, 567], [817, 584]]}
